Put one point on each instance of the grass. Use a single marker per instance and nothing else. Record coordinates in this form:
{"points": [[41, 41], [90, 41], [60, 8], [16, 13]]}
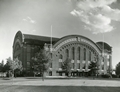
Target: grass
{"points": [[57, 89]]}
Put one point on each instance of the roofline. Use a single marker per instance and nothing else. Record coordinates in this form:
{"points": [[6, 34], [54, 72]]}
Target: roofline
{"points": [[18, 33], [82, 37], [77, 36]]}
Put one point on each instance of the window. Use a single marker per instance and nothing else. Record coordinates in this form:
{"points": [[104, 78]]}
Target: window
{"points": [[78, 53], [89, 56], [72, 65], [78, 65], [97, 58], [51, 55], [50, 73], [84, 66], [28, 48], [28, 64], [28, 57], [51, 65], [84, 54], [103, 67], [67, 53], [60, 57], [17, 47], [73, 53], [60, 61]]}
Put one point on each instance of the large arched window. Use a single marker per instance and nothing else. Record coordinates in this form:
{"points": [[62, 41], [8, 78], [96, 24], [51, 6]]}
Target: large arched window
{"points": [[84, 54], [97, 58], [73, 53], [51, 55], [78, 53], [67, 53], [60, 57], [60, 61], [89, 56]]}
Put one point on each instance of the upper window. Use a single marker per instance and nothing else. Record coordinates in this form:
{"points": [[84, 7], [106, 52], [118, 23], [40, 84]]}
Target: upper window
{"points": [[89, 56], [78, 53], [51, 55], [84, 54], [60, 56], [67, 53], [73, 53], [28, 48]]}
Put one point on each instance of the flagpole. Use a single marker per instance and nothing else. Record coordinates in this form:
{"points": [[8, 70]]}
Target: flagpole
{"points": [[51, 38], [103, 44]]}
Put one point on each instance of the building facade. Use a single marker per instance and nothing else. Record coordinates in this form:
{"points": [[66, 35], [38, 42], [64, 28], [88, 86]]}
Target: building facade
{"points": [[79, 49]]}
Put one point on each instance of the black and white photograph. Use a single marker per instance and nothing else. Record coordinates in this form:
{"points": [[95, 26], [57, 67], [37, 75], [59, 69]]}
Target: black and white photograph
{"points": [[59, 46]]}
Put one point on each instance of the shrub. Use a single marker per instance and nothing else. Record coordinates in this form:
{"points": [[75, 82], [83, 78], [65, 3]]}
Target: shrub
{"points": [[106, 76], [114, 76]]}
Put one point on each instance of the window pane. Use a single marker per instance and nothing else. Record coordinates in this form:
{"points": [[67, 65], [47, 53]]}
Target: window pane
{"points": [[84, 54], [28, 57], [78, 53], [67, 53], [28, 48], [73, 52]]}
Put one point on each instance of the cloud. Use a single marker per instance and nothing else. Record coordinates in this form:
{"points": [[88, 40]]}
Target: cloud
{"points": [[34, 30], [29, 20], [96, 14]]}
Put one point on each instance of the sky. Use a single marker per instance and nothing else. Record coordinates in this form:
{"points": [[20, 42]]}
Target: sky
{"points": [[90, 18]]}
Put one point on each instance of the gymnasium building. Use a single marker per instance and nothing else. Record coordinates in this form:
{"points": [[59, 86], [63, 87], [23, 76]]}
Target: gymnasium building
{"points": [[81, 50]]}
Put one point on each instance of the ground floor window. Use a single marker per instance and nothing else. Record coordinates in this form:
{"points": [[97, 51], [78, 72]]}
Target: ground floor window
{"points": [[50, 73]]}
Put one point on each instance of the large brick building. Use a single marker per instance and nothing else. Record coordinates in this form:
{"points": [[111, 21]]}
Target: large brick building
{"points": [[81, 50]]}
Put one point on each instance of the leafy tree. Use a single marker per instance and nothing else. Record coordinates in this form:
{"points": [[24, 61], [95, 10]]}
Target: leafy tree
{"points": [[1, 67], [6, 68], [41, 62], [117, 71], [66, 66], [34, 66], [93, 68], [13, 65], [17, 66]]}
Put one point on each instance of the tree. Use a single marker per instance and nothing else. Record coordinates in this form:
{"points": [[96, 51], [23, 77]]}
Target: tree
{"points": [[66, 66], [93, 68], [117, 71], [1, 67], [17, 66], [41, 62], [13, 65]]}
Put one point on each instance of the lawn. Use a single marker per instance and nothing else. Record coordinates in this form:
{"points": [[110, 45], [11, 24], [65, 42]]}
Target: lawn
{"points": [[57, 89]]}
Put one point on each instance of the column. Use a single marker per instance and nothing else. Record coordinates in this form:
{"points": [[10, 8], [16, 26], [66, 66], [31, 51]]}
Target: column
{"points": [[86, 61], [110, 61], [75, 59], [25, 55], [105, 64], [81, 59], [55, 64]]}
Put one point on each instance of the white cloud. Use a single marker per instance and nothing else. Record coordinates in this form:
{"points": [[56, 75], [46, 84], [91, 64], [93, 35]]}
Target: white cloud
{"points": [[96, 14], [29, 20], [34, 30]]}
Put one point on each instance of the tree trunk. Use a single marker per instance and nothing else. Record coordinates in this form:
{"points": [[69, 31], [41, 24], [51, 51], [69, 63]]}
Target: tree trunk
{"points": [[43, 76], [34, 74], [13, 74]]}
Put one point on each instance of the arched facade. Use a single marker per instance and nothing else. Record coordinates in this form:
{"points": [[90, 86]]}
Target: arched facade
{"points": [[79, 49]]}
